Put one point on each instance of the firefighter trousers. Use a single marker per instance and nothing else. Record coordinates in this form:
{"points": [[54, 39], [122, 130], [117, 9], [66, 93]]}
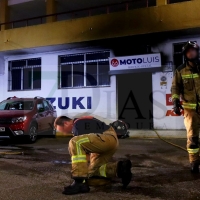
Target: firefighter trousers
{"points": [[101, 148], [192, 121]]}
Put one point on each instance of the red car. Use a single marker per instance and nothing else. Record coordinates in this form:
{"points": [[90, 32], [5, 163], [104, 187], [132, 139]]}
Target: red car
{"points": [[28, 117]]}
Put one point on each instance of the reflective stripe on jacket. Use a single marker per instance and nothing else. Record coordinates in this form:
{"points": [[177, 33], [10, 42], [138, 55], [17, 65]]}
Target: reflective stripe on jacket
{"points": [[186, 79]]}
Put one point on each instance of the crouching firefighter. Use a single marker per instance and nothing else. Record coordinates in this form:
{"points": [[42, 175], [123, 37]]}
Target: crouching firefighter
{"points": [[186, 84], [94, 137]]}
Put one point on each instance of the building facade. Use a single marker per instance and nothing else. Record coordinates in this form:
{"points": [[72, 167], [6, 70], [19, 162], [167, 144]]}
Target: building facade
{"points": [[96, 66]]}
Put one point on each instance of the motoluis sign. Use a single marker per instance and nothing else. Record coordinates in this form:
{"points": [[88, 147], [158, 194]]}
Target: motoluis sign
{"points": [[135, 62]]}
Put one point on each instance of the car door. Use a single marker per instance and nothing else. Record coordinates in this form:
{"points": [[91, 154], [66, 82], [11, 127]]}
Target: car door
{"points": [[48, 116], [53, 112], [40, 117]]}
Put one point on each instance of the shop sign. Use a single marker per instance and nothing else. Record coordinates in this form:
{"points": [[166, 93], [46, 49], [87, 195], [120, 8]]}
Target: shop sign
{"points": [[135, 62]]}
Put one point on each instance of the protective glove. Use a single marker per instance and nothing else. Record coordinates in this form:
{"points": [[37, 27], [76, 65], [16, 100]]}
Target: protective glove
{"points": [[177, 106]]}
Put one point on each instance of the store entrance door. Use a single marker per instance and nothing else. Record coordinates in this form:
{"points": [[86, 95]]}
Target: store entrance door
{"points": [[135, 99]]}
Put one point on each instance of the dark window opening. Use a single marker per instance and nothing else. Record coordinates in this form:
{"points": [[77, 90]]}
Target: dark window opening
{"points": [[66, 76], [91, 74], [103, 73], [16, 79], [25, 74], [78, 75]]}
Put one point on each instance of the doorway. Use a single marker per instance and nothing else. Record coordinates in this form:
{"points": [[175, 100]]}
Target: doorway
{"points": [[135, 105]]}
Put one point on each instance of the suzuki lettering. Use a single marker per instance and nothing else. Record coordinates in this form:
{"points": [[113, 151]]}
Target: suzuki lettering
{"points": [[65, 102], [135, 62]]}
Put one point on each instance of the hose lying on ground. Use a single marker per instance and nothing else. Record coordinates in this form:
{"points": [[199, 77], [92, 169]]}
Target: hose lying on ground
{"points": [[12, 153], [175, 145]]}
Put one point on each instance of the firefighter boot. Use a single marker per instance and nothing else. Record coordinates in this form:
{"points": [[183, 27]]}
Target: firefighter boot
{"points": [[124, 172], [195, 167], [78, 186]]}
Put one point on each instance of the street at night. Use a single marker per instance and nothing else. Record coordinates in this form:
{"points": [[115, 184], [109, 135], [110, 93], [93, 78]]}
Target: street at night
{"points": [[160, 171]]}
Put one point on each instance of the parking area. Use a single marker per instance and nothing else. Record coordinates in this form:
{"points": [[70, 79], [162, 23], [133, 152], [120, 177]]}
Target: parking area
{"points": [[41, 170]]}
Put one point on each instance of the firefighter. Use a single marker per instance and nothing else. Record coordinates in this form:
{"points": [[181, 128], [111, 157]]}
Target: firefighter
{"points": [[186, 84], [94, 137]]}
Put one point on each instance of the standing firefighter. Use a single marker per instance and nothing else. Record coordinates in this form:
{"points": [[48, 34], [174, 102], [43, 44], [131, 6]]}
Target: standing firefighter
{"points": [[94, 137], [186, 84]]}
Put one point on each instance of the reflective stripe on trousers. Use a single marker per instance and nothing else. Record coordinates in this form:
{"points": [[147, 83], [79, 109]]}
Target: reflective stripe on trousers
{"points": [[193, 151], [102, 170], [80, 157]]}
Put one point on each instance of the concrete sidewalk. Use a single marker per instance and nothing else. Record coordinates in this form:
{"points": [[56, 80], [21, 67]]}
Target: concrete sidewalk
{"points": [[163, 133]]}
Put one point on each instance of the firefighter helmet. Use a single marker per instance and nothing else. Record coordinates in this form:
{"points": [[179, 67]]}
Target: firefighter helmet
{"points": [[188, 45], [121, 128]]}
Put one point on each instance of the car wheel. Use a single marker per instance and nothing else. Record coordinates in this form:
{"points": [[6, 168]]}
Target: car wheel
{"points": [[32, 137]]}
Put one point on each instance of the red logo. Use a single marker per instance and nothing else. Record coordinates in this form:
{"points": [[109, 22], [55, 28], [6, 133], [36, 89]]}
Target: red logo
{"points": [[169, 100], [172, 113], [114, 62]]}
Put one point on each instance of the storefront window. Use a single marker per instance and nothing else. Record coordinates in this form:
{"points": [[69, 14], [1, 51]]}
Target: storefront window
{"points": [[84, 70], [25, 74]]}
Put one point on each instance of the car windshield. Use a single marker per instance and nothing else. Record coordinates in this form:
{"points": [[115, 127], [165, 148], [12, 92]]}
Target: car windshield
{"points": [[16, 105]]}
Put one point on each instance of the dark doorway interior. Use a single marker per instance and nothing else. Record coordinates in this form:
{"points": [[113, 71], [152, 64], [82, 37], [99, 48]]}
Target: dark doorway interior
{"points": [[135, 100]]}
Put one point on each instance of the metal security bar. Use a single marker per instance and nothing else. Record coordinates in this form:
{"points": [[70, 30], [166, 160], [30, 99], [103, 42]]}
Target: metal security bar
{"points": [[84, 70], [176, 1], [91, 11]]}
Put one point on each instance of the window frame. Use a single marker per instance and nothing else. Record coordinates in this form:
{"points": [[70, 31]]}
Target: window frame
{"points": [[85, 68], [22, 68]]}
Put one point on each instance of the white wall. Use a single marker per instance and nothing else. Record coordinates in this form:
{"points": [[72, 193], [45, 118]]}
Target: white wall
{"points": [[103, 99], [2, 66], [160, 107]]}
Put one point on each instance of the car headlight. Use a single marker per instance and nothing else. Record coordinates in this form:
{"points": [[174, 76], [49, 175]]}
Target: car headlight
{"points": [[18, 119]]}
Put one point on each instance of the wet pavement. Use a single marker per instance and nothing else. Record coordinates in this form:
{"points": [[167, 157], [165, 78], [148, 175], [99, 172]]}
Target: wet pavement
{"points": [[39, 171]]}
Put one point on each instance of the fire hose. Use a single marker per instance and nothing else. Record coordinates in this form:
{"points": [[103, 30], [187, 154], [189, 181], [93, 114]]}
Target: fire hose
{"points": [[175, 145], [161, 138], [12, 153]]}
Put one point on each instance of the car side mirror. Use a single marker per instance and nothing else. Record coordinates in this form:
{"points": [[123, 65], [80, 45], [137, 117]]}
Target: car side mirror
{"points": [[41, 110]]}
